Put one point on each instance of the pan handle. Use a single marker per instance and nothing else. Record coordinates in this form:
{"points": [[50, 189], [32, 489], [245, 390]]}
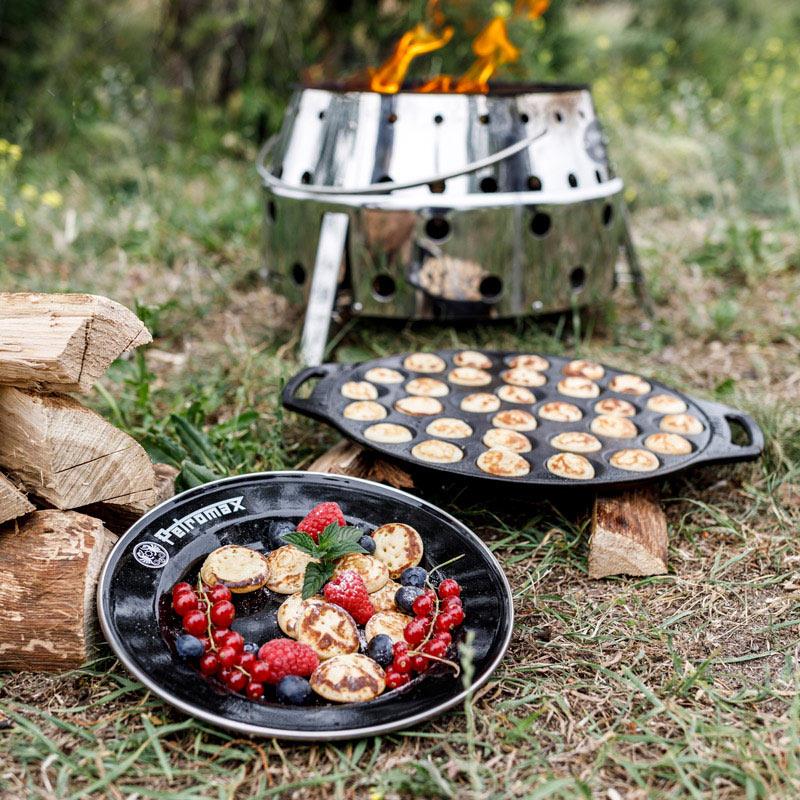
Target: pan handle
{"points": [[722, 447], [302, 405]]}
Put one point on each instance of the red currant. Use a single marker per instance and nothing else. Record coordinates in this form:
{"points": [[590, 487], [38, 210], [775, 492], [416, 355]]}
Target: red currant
{"points": [[449, 588], [219, 635], [195, 623], [435, 648], [457, 615], [225, 673], [237, 681], [400, 648], [423, 605], [219, 593], [185, 602], [222, 613], [206, 642], [247, 661], [209, 664], [260, 672], [394, 679], [255, 690], [181, 587], [235, 640], [444, 622], [451, 602], [419, 663], [227, 656], [414, 631], [443, 636], [401, 663]]}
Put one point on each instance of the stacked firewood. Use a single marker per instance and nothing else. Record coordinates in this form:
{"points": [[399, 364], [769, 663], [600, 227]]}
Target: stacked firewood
{"points": [[67, 476]]}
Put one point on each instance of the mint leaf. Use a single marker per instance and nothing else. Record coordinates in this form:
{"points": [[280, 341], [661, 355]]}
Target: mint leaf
{"points": [[339, 550], [302, 541], [316, 576]]}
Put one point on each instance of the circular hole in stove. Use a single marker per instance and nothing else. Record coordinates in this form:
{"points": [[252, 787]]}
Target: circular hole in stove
{"points": [[391, 118], [437, 187], [572, 180], [488, 184], [438, 119], [540, 223], [608, 214], [437, 228], [491, 287], [385, 179], [534, 183], [524, 118], [484, 119], [321, 115], [577, 279], [306, 177], [559, 116], [278, 171], [598, 176], [383, 287], [298, 273], [272, 210]]}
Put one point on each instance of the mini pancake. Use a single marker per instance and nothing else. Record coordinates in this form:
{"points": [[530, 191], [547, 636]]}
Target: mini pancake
{"points": [[529, 360], [629, 384], [352, 678], [666, 404], [359, 390], [613, 427], [508, 440], [424, 362], [398, 546], [687, 424], [287, 566], [290, 609], [514, 419], [427, 387], [634, 460], [578, 387], [390, 623], [480, 403], [472, 358], [469, 376], [516, 394], [615, 407], [326, 628], [576, 442], [239, 568], [523, 376], [383, 599], [559, 411], [503, 463], [580, 368], [374, 572], [436, 452], [668, 444], [388, 433], [383, 375], [416, 406], [570, 465], [449, 428], [364, 411]]}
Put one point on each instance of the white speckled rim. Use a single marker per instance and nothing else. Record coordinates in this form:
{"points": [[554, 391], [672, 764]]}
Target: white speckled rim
{"points": [[281, 733]]}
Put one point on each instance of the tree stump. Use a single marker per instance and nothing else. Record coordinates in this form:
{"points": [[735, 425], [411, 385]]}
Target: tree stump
{"points": [[347, 458]]}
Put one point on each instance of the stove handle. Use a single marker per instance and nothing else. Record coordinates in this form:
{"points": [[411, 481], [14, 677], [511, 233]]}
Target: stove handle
{"points": [[389, 186], [722, 447], [308, 406]]}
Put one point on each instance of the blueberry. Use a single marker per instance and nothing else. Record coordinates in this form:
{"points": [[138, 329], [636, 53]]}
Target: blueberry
{"points": [[380, 649], [368, 543], [405, 597], [189, 646], [276, 531], [293, 690], [250, 647], [413, 576]]}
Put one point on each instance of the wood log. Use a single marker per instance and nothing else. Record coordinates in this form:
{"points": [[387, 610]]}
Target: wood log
{"points": [[51, 563], [347, 458], [68, 455], [13, 502], [63, 342], [629, 535]]}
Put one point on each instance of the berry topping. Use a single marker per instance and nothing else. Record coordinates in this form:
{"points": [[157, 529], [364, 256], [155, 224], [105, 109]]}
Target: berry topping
{"points": [[209, 664], [436, 648], [237, 680], [319, 518], [419, 663], [449, 588], [247, 661], [405, 596], [443, 636], [413, 576], [349, 591], [255, 691], [423, 605], [276, 531], [195, 623], [189, 646], [181, 587], [184, 602], [395, 679], [228, 657], [402, 663], [380, 649], [219, 593], [414, 632], [222, 613], [367, 544], [286, 657], [293, 690], [234, 640], [250, 647]]}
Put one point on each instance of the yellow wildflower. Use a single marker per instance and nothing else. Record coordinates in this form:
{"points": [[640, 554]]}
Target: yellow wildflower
{"points": [[19, 218], [375, 795], [52, 199], [15, 152], [602, 42], [501, 9], [28, 192]]}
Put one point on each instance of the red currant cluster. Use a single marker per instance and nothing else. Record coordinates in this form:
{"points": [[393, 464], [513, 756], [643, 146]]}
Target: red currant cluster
{"points": [[428, 634]]}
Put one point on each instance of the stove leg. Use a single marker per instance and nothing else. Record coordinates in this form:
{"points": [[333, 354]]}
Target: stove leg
{"points": [[322, 295], [637, 276]]}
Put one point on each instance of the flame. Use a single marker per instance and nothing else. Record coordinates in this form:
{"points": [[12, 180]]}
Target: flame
{"points": [[533, 9], [492, 48]]}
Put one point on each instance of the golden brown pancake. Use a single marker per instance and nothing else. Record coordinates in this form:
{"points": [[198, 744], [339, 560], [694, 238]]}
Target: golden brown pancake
{"points": [[523, 376], [290, 609], [326, 628], [580, 368], [287, 568], [571, 465], [383, 375], [578, 387], [509, 440], [424, 362], [629, 384], [634, 460], [374, 572], [576, 442], [427, 387], [389, 623], [514, 419], [469, 376], [666, 404], [398, 546], [516, 394], [436, 452], [480, 403], [352, 678], [239, 568], [559, 411], [687, 424], [388, 433], [668, 444], [383, 599], [472, 358], [449, 428], [416, 406], [364, 411], [613, 427], [529, 360], [615, 407], [503, 463], [359, 390]]}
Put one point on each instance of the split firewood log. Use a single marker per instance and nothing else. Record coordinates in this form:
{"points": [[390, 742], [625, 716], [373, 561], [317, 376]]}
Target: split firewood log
{"points": [[629, 535], [347, 458], [13, 503], [68, 455], [51, 563], [63, 342]]}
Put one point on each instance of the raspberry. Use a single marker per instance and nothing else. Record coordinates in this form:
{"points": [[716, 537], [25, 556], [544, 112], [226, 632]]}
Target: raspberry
{"points": [[349, 591], [319, 518], [284, 657]]}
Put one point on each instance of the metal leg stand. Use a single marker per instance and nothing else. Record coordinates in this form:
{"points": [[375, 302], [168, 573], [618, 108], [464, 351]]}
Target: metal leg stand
{"points": [[637, 276]]}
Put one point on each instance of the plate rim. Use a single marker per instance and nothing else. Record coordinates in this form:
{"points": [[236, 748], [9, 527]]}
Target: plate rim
{"points": [[282, 733]]}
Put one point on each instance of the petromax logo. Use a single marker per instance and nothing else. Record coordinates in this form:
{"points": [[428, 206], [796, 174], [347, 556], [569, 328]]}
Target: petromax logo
{"points": [[191, 523], [150, 554]]}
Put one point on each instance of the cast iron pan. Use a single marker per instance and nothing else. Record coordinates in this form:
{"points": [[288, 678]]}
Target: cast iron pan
{"points": [[169, 543], [714, 445]]}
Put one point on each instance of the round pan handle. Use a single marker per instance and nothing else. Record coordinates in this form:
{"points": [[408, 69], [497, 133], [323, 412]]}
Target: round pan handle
{"points": [[314, 408], [722, 447]]}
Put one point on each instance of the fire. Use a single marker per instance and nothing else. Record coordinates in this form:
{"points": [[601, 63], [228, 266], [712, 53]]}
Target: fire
{"points": [[492, 48]]}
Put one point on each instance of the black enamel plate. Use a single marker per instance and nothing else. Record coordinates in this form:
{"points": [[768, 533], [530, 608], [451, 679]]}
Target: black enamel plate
{"points": [[169, 544], [713, 444]]}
